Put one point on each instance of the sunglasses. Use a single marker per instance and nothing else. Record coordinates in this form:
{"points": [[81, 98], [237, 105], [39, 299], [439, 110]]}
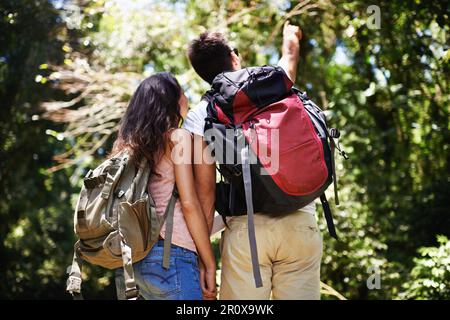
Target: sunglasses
{"points": [[236, 51]]}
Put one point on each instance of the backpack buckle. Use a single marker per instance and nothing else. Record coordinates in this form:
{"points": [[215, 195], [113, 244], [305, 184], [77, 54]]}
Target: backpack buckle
{"points": [[132, 294], [334, 133], [236, 171], [73, 284], [94, 182]]}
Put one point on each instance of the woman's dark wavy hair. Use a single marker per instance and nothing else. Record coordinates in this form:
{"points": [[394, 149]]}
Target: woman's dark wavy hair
{"points": [[152, 112]]}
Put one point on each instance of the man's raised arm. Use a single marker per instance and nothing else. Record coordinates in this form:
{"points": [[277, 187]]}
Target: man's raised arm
{"points": [[290, 50]]}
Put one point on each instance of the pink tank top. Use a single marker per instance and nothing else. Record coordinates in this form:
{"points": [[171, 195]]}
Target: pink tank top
{"points": [[160, 188]]}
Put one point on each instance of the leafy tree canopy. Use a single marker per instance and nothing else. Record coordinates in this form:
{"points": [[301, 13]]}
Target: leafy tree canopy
{"points": [[68, 68]]}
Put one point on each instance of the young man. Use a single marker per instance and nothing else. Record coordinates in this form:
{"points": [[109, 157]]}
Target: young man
{"points": [[289, 247]]}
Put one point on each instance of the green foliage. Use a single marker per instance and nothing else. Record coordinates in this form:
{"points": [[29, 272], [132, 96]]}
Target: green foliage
{"points": [[386, 90], [396, 128], [430, 277], [36, 237]]}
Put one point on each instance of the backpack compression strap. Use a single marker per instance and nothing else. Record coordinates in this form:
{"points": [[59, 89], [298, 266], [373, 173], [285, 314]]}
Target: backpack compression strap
{"points": [[250, 215], [73, 285], [74, 280], [131, 290], [328, 216], [333, 167]]}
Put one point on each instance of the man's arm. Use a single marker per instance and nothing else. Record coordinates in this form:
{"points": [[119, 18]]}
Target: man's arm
{"points": [[204, 164], [205, 178], [205, 185], [290, 50]]}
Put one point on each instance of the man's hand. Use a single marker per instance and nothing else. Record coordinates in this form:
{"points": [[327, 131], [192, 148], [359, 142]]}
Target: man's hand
{"points": [[208, 282], [290, 50], [291, 33]]}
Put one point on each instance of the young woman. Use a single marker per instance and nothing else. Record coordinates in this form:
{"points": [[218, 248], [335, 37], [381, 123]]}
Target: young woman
{"points": [[149, 129]]}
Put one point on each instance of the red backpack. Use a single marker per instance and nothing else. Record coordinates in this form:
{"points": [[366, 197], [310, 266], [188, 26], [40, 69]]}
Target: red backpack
{"points": [[272, 144]]}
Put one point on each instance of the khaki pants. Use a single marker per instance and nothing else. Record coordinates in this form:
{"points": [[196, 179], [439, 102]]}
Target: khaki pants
{"points": [[289, 252]]}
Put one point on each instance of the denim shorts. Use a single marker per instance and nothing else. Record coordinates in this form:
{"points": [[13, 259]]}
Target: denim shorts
{"points": [[180, 282]]}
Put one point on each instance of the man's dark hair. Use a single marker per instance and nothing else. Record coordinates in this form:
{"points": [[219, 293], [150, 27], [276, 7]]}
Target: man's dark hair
{"points": [[210, 55]]}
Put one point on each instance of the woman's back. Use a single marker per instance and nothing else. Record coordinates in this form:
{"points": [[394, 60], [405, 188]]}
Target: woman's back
{"points": [[160, 187]]}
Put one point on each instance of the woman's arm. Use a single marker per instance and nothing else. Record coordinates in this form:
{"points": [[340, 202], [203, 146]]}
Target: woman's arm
{"points": [[192, 211]]}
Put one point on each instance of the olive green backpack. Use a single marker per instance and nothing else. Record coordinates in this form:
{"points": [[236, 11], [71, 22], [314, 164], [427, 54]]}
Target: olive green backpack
{"points": [[116, 221]]}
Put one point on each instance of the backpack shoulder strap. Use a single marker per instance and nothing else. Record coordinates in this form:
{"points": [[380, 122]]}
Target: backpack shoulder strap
{"points": [[168, 217], [208, 95]]}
